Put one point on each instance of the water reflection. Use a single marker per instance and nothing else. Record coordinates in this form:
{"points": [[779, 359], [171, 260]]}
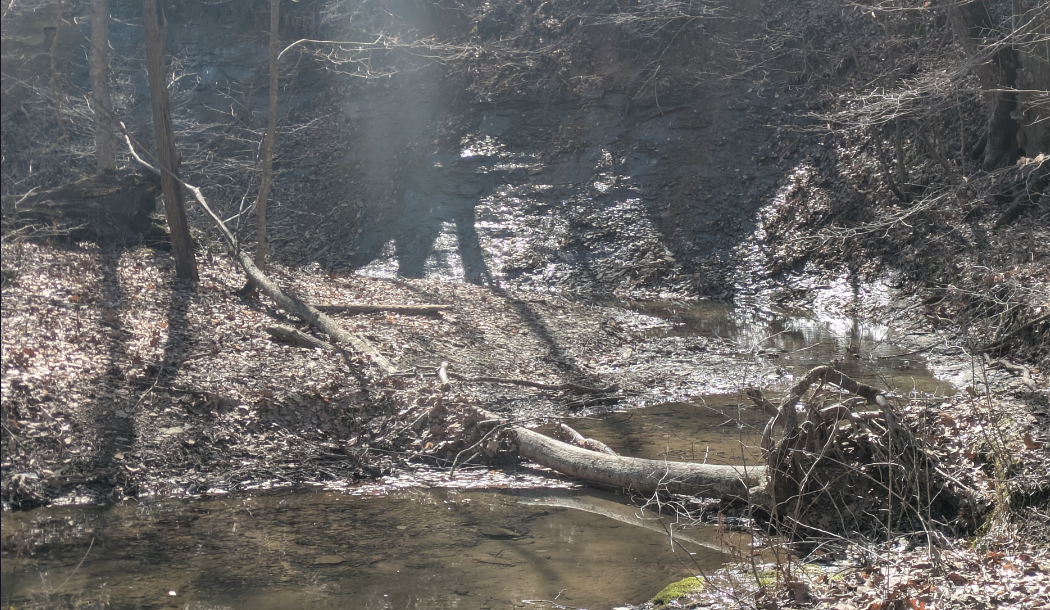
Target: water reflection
{"points": [[711, 430], [797, 342], [414, 549]]}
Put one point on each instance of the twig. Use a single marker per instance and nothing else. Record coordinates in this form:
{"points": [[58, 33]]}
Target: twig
{"points": [[582, 389], [86, 553]]}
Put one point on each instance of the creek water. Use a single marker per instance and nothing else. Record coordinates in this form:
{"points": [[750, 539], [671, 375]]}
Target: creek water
{"points": [[487, 539], [436, 548]]}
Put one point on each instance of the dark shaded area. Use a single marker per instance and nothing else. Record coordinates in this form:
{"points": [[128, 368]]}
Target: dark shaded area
{"points": [[113, 207]]}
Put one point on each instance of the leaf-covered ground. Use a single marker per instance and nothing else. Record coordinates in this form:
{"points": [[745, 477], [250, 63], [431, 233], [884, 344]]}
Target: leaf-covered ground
{"points": [[120, 380]]}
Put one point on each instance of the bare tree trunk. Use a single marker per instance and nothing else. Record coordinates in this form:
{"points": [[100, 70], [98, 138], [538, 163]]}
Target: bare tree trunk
{"points": [[271, 135], [996, 69], [181, 242], [55, 92], [637, 474], [105, 138], [1033, 76]]}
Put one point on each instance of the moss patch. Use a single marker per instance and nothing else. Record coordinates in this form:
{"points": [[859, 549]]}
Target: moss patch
{"points": [[678, 590]]}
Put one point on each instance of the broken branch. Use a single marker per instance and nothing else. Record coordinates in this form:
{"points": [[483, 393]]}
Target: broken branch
{"points": [[283, 300]]}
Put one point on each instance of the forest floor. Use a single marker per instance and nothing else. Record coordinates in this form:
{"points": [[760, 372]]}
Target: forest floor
{"points": [[121, 381]]}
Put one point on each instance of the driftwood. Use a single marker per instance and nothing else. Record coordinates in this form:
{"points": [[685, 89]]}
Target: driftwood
{"points": [[359, 308], [112, 206], [285, 301], [636, 474]]}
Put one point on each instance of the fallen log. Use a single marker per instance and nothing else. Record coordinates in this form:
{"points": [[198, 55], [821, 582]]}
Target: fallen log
{"points": [[405, 310], [636, 474]]}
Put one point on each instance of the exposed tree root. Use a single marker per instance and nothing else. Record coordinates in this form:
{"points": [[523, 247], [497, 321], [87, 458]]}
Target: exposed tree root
{"points": [[845, 470]]}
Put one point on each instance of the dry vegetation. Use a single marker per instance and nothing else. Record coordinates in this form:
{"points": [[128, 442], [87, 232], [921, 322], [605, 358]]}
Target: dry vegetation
{"points": [[120, 381]]}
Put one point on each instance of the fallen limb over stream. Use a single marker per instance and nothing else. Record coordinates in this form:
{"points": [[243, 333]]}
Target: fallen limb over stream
{"points": [[636, 474], [837, 456]]}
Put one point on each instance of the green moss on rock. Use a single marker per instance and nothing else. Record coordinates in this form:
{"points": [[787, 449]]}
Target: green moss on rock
{"points": [[678, 590]]}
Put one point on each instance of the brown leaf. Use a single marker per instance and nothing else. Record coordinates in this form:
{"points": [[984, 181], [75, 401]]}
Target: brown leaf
{"points": [[1030, 442]]}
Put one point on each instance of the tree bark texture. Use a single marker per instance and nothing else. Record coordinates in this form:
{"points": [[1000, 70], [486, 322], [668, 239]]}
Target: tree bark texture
{"points": [[271, 135], [181, 242], [102, 104], [1033, 77], [996, 69], [636, 474]]}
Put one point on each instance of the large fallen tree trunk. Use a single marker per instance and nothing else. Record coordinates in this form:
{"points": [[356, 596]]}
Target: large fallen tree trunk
{"points": [[838, 455], [636, 474]]}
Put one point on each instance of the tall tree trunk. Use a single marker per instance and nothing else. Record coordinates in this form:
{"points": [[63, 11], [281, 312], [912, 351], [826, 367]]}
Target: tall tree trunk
{"points": [[271, 135], [105, 140], [56, 92], [996, 69], [181, 242], [1033, 75]]}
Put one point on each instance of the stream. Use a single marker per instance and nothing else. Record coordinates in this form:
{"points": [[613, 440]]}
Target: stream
{"points": [[518, 538]]}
